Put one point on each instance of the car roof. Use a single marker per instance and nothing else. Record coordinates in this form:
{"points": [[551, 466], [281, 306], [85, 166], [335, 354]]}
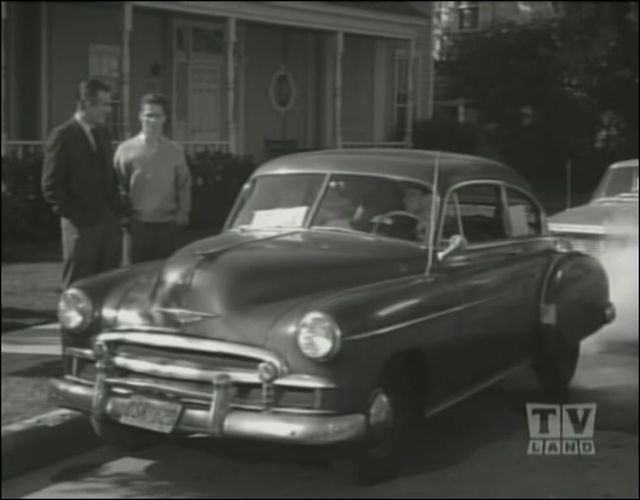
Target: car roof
{"points": [[625, 163], [411, 164]]}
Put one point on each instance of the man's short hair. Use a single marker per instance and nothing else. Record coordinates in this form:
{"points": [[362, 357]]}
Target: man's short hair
{"points": [[157, 99], [88, 90]]}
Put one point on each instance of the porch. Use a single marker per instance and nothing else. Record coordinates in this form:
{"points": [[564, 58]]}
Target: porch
{"points": [[238, 73]]}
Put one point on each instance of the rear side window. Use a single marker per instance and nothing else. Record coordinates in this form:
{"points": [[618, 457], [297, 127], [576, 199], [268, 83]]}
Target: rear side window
{"points": [[475, 212], [524, 216]]}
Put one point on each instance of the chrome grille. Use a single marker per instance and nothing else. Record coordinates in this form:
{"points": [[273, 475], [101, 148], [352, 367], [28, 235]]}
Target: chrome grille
{"points": [[168, 357], [183, 368]]}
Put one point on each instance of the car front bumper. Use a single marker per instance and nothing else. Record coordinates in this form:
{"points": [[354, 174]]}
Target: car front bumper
{"points": [[218, 419]]}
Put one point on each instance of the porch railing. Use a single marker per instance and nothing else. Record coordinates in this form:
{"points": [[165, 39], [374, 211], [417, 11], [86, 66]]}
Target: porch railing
{"points": [[21, 149]]}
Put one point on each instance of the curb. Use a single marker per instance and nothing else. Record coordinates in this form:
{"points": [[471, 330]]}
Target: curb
{"points": [[42, 440]]}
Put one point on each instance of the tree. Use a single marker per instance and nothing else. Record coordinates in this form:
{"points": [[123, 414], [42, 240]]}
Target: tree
{"points": [[558, 89]]}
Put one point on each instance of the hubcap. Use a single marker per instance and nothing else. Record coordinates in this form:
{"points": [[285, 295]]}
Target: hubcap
{"points": [[380, 412]]}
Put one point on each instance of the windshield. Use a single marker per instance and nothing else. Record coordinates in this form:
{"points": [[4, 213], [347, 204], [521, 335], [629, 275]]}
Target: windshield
{"points": [[338, 202], [618, 182]]}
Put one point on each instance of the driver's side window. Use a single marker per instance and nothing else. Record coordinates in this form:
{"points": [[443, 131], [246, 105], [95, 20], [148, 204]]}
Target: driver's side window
{"points": [[474, 212]]}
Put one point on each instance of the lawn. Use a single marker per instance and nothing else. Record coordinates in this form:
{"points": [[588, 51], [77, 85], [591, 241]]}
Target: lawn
{"points": [[29, 294]]}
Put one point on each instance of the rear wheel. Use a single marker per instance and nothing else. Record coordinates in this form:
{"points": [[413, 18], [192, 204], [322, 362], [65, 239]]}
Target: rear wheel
{"points": [[555, 363], [122, 437]]}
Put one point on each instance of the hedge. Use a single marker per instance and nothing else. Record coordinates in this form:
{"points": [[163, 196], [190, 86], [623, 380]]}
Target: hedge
{"points": [[216, 179]]}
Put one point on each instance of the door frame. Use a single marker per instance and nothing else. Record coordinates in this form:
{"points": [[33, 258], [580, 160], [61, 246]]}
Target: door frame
{"points": [[175, 24]]}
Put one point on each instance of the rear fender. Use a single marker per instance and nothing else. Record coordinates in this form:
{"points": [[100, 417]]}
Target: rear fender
{"points": [[575, 297]]}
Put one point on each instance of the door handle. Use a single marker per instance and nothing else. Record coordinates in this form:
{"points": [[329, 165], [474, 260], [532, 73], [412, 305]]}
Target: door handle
{"points": [[515, 251]]}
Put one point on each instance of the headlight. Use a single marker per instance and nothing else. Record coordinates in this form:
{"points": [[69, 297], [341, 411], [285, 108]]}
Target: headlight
{"points": [[319, 336], [74, 309]]}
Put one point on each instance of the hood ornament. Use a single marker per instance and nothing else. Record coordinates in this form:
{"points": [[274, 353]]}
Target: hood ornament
{"points": [[185, 316]]}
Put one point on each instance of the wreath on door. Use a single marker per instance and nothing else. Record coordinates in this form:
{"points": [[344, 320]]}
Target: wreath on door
{"points": [[282, 91]]}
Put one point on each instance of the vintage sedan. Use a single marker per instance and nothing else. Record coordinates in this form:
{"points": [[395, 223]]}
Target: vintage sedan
{"points": [[350, 292], [610, 219]]}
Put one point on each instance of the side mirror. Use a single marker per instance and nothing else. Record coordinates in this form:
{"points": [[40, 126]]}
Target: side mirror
{"points": [[456, 242]]}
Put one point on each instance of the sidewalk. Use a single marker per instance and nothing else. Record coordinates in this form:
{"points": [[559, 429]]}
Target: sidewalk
{"points": [[38, 340], [58, 434]]}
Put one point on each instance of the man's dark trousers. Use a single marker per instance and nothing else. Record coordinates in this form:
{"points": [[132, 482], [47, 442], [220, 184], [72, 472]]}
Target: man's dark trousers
{"points": [[91, 249]]}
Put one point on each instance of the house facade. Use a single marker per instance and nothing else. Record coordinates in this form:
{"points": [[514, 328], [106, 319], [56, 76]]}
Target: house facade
{"points": [[241, 76]]}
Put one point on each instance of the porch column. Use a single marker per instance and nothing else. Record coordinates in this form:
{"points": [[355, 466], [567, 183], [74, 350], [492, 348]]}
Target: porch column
{"points": [[231, 85], [410, 98], [4, 79], [337, 95], [125, 69], [44, 69]]}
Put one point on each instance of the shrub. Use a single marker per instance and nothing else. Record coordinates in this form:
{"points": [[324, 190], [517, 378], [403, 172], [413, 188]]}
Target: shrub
{"points": [[445, 134], [26, 216]]}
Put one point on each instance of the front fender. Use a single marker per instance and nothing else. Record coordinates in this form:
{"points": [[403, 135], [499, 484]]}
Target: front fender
{"points": [[108, 292], [360, 312], [575, 297]]}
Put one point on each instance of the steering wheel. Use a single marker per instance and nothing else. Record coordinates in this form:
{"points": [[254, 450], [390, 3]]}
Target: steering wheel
{"points": [[388, 218]]}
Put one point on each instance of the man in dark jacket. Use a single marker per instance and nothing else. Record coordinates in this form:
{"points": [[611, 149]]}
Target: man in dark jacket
{"points": [[79, 182]]}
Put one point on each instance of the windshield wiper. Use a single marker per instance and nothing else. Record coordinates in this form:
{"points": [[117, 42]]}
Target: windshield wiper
{"points": [[336, 228]]}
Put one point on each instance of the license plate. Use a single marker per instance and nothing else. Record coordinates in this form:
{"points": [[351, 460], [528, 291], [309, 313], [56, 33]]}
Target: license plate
{"points": [[151, 414]]}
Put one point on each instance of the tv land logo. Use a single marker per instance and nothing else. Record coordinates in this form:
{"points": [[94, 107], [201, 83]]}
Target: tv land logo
{"points": [[561, 429]]}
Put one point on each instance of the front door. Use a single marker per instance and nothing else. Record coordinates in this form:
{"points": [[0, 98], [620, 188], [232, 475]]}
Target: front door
{"points": [[498, 271], [198, 75]]}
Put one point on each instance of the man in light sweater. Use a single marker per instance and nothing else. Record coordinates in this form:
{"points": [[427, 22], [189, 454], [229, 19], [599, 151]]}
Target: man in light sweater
{"points": [[155, 183]]}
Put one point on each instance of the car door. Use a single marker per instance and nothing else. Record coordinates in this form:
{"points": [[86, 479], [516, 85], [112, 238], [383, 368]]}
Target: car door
{"points": [[497, 272]]}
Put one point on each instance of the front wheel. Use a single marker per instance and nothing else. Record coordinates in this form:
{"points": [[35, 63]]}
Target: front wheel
{"points": [[390, 419]]}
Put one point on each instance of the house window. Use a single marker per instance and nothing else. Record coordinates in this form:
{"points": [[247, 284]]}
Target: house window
{"points": [[401, 94], [104, 63], [468, 15]]}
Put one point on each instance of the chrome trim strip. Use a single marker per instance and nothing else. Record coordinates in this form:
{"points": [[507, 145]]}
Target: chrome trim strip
{"points": [[576, 229], [388, 329], [138, 384], [201, 375], [145, 328], [474, 389], [78, 352], [256, 407], [304, 381], [182, 372], [186, 315], [209, 346]]}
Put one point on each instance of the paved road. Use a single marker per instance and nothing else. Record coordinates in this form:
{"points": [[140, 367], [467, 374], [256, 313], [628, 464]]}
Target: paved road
{"points": [[477, 448]]}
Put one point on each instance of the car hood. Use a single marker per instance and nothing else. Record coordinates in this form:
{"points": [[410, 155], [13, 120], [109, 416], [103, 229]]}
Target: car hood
{"points": [[595, 217], [236, 285]]}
